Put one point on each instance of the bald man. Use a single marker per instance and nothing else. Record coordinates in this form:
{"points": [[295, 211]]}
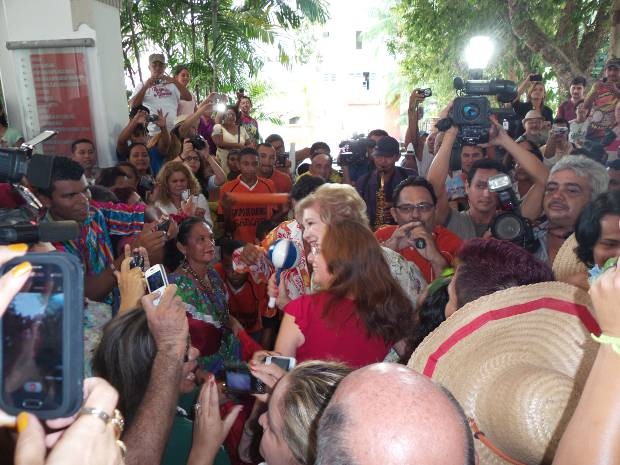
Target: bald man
{"points": [[387, 413]]}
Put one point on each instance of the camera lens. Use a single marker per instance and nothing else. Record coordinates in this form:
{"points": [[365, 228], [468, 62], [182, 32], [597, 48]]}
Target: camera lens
{"points": [[507, 227], [470, 111]]}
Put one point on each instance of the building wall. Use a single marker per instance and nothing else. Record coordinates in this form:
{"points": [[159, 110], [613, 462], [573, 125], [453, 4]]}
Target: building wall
{"points": [[46, 20]]}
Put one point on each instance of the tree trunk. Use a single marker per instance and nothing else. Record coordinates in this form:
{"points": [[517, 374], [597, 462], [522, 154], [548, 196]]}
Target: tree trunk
{"points": [[561, 56], [133, 39], [537, 41], [614, 43], [215, 31], [129, 68]]}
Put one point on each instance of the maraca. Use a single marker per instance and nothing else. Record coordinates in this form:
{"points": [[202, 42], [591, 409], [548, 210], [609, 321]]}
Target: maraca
{"points": [[284, 255]]}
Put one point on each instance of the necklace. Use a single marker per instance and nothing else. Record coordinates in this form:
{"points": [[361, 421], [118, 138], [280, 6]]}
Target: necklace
{"points": [[206, 286]]}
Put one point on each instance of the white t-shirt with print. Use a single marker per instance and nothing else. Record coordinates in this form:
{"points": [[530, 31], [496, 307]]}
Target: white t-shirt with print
{"points": [[165, 97]]}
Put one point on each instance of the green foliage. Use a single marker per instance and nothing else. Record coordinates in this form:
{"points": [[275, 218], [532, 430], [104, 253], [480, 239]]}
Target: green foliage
{"points": [[214, 38], [429, 37]]}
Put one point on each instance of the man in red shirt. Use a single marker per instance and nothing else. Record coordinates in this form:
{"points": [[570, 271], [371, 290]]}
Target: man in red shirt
{"points": [[417, 237], [267, 161], [241, 219]]}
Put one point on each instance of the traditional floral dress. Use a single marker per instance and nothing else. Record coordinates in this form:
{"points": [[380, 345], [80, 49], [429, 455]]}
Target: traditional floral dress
{"points": [[208, 312]]}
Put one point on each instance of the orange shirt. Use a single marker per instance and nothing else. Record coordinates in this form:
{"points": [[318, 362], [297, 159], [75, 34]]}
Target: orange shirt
{"points": [[248, 303], [244, 218], [446, 242], [282, 182]]}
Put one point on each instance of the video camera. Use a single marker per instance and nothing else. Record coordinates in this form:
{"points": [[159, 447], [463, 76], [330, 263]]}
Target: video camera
{"points": [[471, 112], [22, 224], [354, 151], [510, 225]]}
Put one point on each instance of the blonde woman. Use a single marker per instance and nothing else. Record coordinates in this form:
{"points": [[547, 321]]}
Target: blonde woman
{"points": [[178, 191]]}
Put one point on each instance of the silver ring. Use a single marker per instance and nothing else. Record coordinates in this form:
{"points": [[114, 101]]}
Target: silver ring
{"points": [[96, 412], [197, 406]]}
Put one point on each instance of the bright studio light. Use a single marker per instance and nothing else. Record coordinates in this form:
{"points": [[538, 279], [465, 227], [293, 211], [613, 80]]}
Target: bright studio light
{"points": [[478, 52]]}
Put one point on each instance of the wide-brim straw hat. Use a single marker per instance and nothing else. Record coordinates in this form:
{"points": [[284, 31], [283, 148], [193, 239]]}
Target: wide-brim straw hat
{"points": [[566, 263], [517, 361]]}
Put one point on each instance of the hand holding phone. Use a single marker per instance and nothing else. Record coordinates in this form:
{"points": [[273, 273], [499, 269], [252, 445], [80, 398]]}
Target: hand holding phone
{"points": [[239, 379], [156, 280], [42, 354], [168, 321], [163, 225], [101, 442], [286, 363]]}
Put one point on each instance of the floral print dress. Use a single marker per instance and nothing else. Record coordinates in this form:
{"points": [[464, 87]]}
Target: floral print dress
{"points": [[208, 312]]}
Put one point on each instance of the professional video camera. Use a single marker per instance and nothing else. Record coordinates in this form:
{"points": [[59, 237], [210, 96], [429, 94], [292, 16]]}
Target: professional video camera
{"points": [[22, 224], [471, 111], [354, 151], [510, 225]]}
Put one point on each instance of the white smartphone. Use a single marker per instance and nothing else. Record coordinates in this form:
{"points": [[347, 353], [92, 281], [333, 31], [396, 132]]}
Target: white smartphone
{"points": [[286, 363], [156, 280], [186, 194]]}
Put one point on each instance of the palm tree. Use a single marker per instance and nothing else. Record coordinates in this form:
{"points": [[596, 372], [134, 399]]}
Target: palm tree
{"points": [[218, 39]]}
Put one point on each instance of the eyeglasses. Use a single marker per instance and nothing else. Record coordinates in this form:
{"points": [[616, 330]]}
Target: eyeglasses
{"points": [[191, 159], [422, 207]]}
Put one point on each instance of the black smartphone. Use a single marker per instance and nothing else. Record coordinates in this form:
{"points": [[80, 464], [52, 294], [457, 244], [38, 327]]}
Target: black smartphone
{"points": [[164, 225], [281, 160], [137, 261], [238, 379], [536, 77], [42, 353]]}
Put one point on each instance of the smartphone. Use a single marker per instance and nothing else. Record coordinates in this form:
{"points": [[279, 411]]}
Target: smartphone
{"points": [[137, 261], [536, 77], [281, 160], [42, 351], [286, 363], [238, 379], [156, 280], [164, 225], [186, 194]]}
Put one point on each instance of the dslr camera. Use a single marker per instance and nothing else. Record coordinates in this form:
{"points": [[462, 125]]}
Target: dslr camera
{"points": [[471, 109], [510, 225], [354, 151], [198, 142]]}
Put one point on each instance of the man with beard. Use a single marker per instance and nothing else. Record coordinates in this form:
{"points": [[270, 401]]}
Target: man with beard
{"points": [[573, 182], [377, 186], [533, 125], [418, 237], [267, 161], [566, 110]]}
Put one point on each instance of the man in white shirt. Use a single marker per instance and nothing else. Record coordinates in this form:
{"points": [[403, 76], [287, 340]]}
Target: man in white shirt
{"points": [[160, 92]]}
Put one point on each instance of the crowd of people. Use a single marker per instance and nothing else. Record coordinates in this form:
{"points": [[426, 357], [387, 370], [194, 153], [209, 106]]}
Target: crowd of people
{"points": [[420, 333]]}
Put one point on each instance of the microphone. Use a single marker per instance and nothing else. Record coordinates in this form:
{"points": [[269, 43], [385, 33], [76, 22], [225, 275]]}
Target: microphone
{"points": [[53, 231]]}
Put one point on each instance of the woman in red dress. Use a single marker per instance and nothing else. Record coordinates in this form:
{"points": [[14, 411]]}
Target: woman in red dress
{"points": [[362, 311]]}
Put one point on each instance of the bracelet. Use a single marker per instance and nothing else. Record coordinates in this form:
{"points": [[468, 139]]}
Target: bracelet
{"points": [[614, 342]]}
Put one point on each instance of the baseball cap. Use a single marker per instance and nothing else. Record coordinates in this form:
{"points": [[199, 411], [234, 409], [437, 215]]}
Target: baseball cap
{"points": [[156, 57], [612, 63], [387, 147]]}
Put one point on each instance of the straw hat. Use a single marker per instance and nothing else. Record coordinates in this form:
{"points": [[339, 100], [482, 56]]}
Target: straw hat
{"points": [[566, 263], [516, 360]]}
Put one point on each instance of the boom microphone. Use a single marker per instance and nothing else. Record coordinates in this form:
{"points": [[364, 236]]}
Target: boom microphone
{"points": [[53, 231]]}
